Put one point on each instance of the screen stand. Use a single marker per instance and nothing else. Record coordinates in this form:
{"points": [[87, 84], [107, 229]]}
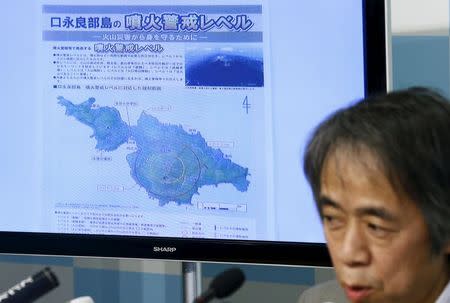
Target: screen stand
{"points": [[192, 283]]}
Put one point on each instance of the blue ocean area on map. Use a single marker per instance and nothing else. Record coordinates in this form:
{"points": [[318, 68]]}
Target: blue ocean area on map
{"points": [[169, 163]]}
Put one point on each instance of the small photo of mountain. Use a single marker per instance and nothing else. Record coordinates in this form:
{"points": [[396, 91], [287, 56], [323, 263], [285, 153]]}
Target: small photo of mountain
{"points": [[238, 67]]}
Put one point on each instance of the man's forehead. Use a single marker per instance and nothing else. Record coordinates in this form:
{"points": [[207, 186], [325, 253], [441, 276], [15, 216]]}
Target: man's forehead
{"points": [[357, 176], [347, 161]]}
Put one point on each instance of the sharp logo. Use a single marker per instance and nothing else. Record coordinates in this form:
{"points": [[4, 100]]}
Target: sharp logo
{"points": [[164, 249]]}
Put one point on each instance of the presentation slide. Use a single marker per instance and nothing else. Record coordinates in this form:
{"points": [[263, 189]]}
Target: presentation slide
{"points": [[170, 118]]}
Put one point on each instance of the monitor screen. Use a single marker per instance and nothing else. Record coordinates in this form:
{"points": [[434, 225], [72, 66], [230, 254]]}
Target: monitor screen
{"points": [[176, 121]]}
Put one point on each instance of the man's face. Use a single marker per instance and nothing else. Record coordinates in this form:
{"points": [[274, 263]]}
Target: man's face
{"points": [[378, 240]]}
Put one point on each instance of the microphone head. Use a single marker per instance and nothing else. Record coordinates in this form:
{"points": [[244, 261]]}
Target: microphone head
{"points": [[86, 299], [227, 282], [49, 276]]}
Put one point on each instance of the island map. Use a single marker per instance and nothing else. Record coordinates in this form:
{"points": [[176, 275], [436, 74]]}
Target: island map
{"points": [[169, 163]]}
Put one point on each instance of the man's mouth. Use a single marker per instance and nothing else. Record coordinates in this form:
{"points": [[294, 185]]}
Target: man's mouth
{"points": [[357, 293]]}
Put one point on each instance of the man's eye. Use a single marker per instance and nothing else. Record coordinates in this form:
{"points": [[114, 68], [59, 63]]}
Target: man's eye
{"points": [[332, 221], [377, 230]]}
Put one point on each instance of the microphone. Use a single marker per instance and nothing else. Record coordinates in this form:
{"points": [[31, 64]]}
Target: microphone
{"points": [[31, 288], [85, 299], [223, 285]]}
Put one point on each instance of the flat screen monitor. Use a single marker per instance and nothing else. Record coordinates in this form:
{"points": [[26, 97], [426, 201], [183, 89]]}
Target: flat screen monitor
{"points": [[174, 129]]}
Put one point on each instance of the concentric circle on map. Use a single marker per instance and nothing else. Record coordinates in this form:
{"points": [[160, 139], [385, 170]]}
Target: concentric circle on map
{"points": [[168, 171]]}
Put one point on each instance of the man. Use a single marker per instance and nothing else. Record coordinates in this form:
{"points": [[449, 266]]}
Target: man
{"points": [[380, 176]]}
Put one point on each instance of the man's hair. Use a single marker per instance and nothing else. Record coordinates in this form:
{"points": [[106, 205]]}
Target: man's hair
{"points": [[408, 131]]}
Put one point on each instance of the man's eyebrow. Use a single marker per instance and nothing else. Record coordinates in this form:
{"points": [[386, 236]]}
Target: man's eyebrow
{"points": [[376, 212], [326, 201], [379, 212]]}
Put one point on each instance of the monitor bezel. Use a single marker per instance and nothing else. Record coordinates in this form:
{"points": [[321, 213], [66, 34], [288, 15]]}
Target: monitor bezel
{"points": [[213, 250]]}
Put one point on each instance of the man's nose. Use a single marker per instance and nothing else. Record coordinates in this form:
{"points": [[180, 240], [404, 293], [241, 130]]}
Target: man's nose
{"points": [[354, 247]]}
